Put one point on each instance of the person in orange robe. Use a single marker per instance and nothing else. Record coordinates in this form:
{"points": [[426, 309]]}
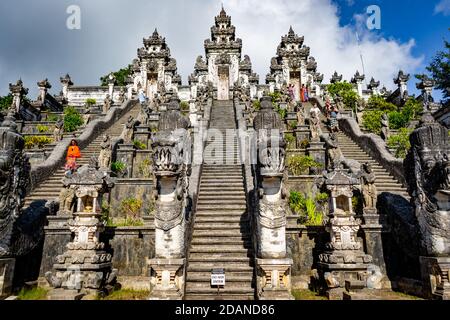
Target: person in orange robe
{"points": [[73, 153]]}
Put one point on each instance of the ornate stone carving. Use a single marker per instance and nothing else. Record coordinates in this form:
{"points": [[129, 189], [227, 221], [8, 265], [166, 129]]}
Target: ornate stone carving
{"points": [[171, 165], [368, 188], [107, 103], [85, 268], [14, 180], [271, 217], [336, 77], [427, 169], [59, 130], [384, 127], [104, 159], [128, 131], [343, 259]]}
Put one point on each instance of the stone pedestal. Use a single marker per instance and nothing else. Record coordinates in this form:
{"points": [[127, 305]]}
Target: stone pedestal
{"points": [[435, 277], [302, 134], [167, 280], [153, 120], [274, 279], [318, 152], [373, 233], [6, 276], [125, 154], [291, 117], [142, 134]]}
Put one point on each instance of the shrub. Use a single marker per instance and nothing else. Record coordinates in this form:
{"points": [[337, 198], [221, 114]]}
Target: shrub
{"points": [[139, 145], [118, 167], [33, 294], [121, 77], [306, 208], [42, 128], [412, 109], [290, 140], [304, 144], [397, 120], [400, 142], [36, 141], [293, 125], [346, 91], [72, 119], [51, 117], [299, 165], [379, 103], [281, 112], [372, 120], [184, 106], [257, 105], [91, 102], [131, 208], [145, 169]]}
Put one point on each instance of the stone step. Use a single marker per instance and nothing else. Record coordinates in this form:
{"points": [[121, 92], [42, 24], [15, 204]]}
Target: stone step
{"points": [[223, 219], [231, 278], [224, 233], [229, 213], [238, 290], [221, 189], [204, 240], [219, 227], [226, 207], [229, 267], [221, 197]]}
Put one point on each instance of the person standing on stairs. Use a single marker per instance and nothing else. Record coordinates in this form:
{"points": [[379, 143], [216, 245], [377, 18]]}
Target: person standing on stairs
{"points": [[73, 153]]}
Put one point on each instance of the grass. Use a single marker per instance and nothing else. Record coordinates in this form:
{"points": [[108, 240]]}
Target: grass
{"points": [[33, 294], [128, 294], [305, 294]]}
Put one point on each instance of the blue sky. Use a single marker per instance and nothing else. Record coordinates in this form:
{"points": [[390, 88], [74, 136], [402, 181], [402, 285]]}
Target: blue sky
{"points": [[406, 19]]}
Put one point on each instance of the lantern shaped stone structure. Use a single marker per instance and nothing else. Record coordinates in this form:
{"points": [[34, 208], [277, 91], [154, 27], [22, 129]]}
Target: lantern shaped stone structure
{"points": [[344, 259], [85, 268]]}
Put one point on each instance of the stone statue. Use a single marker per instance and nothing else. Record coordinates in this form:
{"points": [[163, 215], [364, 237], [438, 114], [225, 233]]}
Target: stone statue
{"points": [[107, 103], [427, 170], [86, 115], [171, 166], [384, 127], [14, 180], [104, 159], [368, 188], [334, 153], [59, 130], [314, 124], [121, 98], [300, 116], [66, 196], [271, 216], [128, 131]]}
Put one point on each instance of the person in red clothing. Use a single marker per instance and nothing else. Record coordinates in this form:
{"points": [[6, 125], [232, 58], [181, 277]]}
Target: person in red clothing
{"points": [[73, 153]]}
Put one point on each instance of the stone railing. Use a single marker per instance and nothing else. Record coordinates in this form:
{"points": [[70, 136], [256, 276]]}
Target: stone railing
{"points": [[370, 143], [43, 171]]}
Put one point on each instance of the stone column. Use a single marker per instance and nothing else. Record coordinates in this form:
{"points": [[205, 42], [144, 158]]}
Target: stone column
{"points": [[43, 85], [111, 84], [172, 175], [273, 265], [402, 82], [142, 134], [358, 80], [18, 92]]}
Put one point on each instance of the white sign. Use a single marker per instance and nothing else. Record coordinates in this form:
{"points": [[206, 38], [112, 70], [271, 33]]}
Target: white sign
{"points": [[217, 277]]}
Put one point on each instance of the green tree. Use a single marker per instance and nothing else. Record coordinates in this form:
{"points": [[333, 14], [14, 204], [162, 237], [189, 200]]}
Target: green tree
{"points": [[379, 103], [400, 142], [346, 91], [72, 119], [440, 71], [6, 102], [121, 76], [372, 120]]}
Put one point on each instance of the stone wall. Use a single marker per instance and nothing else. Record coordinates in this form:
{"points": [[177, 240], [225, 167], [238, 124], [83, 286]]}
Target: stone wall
{"points": [[136, 188], [77, 95]]}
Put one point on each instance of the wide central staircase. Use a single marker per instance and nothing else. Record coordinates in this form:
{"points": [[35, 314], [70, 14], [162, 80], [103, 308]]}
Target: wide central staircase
{"points": [[221, 236], [51, 187]]}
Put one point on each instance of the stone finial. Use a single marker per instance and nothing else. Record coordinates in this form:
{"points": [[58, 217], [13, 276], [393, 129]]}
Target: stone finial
{"points": [[44, 84], [111, 79], [401, 78], [373, 84], [357, 78], [336, 77], [66, 80]]}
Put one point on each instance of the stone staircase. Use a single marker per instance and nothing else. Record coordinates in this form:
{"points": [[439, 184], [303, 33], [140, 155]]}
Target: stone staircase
{"points": [[221, 236], [385, 182], [50, 188]]}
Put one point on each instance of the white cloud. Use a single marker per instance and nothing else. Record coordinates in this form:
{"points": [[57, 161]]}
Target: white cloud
{"points": [[443, 7], [261, 23], [112, 30]]}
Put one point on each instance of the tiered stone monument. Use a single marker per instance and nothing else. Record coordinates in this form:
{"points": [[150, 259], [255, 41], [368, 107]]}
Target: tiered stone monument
{"points": [[171, 166], [344, 262], [85, 268], [273, 265]]}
